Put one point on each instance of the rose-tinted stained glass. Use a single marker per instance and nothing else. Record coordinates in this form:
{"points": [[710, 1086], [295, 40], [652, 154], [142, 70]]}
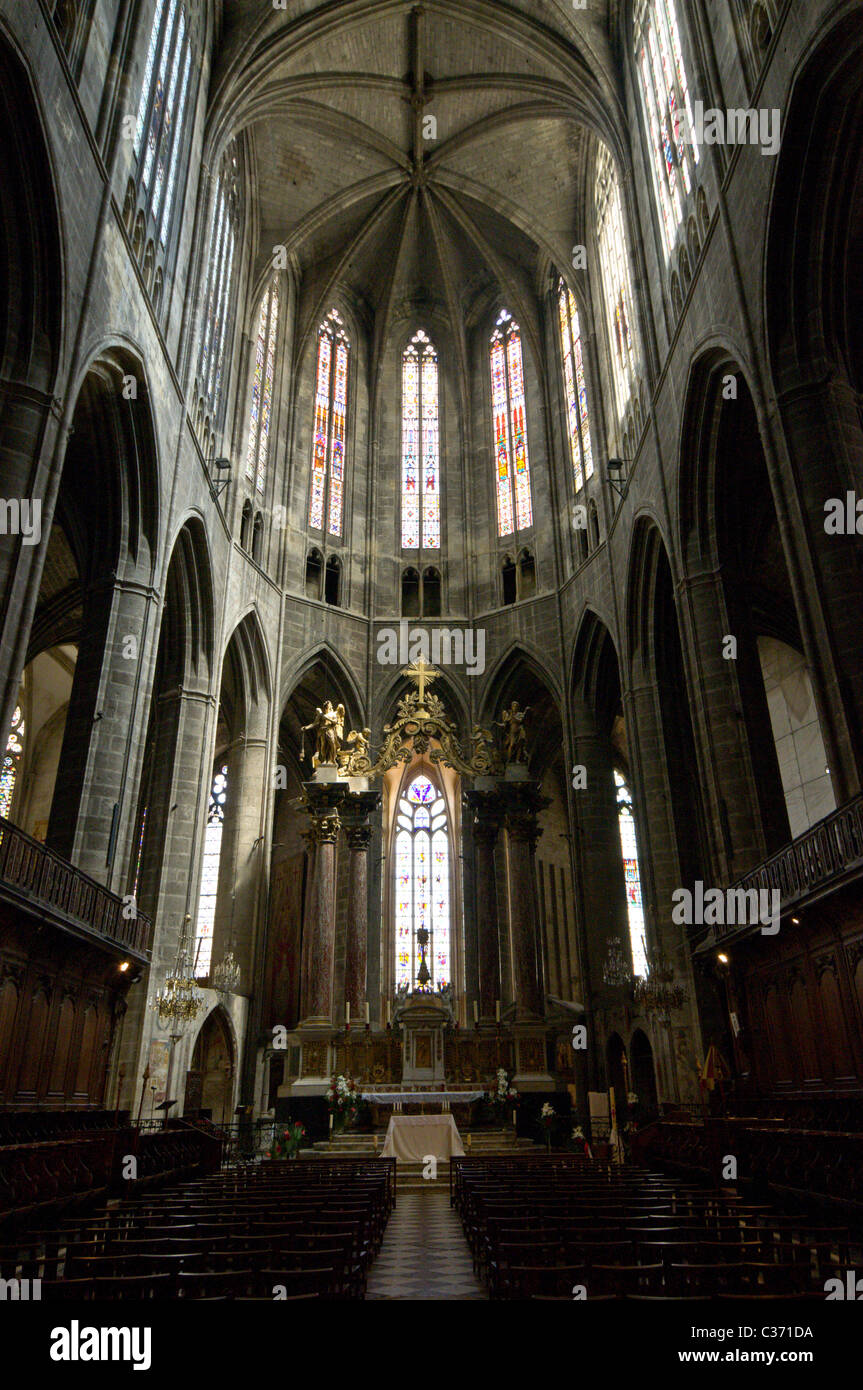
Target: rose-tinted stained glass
{"points": [[422, 884], [260, 411], [616, 280], [210, 873], [512, 459], [330, 426], [575, 388], [631, 875], [421, 494]]}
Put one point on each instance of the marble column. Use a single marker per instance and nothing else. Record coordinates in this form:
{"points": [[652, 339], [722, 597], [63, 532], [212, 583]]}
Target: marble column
{"points": [[319, 916], [355, 812], [522, 801], [486, 824]]}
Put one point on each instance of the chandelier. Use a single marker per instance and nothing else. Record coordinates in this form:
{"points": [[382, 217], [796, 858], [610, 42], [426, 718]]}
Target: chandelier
{"points": [[616, 972], [658, 992], [226, 975], [179, 1001]]}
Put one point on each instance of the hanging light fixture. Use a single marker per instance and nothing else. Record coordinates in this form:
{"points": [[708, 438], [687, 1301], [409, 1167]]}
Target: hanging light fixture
{"points": [[179, 1001], [226, 975], [616, 972], [658, 992]]}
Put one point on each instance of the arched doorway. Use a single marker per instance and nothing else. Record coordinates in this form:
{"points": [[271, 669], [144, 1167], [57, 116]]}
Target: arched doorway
{"points": [[643, 1075], [210, 1079]]}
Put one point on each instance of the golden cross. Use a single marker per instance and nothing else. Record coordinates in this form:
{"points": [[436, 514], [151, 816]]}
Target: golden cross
{"points": [[422, 675]]}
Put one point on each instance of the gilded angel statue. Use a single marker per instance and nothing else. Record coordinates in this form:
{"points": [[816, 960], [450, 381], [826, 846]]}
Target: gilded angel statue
{"points": [[357, 761], [514, 737], [328, 727]]}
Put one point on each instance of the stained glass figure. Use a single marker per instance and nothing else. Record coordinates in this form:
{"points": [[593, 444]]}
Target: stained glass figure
{"points": [[512, 459], [422, 884], [632, 877], [330, 426], [616, 280], [210, 873], [667, 111], [260, 411], [11, 762], [575, 387], [219, 281], [420, 446]]}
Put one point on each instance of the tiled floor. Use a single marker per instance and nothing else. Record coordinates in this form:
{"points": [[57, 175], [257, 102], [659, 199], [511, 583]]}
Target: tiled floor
{"points": [[424, 1253]]}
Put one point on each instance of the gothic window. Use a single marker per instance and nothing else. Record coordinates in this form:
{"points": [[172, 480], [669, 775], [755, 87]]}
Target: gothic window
{"points": [[420, 446], [331, 413], [629, 853], [246, 525], [593, 525], [333, 581], [410, 593], [616, 282], [210, 873], [422, 885], [314, 570], [431, 593], [575, 386], [261, 408], [219, 282], [11, 762], [512, 459], [72, 19], [668, 112], [526, 574], [139, 852], [161, 111], [509, 576], [257, 538]]}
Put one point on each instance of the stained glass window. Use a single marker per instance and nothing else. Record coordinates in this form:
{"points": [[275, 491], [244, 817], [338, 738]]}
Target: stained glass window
{"points": [[668, 112], [422, 885], [159, 125], [218, 282], [11, 762], [210, 873], [616, 280], [420, 446], [330, 428], [512, 460], [261, 408], [577, 413], [632, 877], [139, 852]]}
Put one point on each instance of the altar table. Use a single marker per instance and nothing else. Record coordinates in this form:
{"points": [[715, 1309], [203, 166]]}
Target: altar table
{"points": [[413, 1138]]}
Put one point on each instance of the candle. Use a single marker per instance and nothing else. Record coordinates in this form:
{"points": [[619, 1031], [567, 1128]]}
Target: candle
{"points": [[348, 1011], [389, 1011], [475, 1012], [497, 1009], [367, 1011]]}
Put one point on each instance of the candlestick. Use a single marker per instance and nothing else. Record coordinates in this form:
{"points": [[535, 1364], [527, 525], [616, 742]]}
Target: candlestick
{"points": [[389, 1011], [367, 1012], [475, 1012], [348, 1011], [497, 1010]]}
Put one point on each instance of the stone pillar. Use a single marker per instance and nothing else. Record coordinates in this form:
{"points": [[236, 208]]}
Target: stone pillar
{"points": [[522, 801], [486, 825], [355, 810], [319, 915]]}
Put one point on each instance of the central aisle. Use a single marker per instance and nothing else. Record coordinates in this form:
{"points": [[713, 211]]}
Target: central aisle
{"points": [[424, 1252]]}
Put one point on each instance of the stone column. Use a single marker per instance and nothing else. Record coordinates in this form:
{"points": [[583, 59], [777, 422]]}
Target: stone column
{"points": [[522, 801], [486, 824], [319, 916], [356, 810]]}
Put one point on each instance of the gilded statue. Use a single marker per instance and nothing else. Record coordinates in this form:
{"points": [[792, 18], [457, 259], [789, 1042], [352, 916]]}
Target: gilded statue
{"points": [[328, 727], [356, 762], [514, 736]]}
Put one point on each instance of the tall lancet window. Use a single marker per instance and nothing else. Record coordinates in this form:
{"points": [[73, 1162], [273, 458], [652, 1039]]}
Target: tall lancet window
{"points": [[261, 408], [668, 112], [420, 446], [616, 282], [210, 873], [632, 877], [331, 414], [11, 762], [422, 885], [512, 459], [575, 386], [215, 338], [159, 127]]}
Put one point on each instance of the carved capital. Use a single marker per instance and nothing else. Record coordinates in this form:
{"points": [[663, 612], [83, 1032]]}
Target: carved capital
{"points": [[523, 828], [325, 829], [359, 837]]}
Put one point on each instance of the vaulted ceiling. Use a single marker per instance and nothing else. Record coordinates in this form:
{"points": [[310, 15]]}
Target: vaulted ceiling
{"points": [[416, 154]]}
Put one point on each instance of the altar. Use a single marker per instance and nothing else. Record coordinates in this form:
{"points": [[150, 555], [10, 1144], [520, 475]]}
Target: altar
{"points": [[414, 1138]]}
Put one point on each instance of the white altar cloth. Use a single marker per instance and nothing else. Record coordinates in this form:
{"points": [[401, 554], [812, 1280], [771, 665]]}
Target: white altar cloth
{"points": [[414, 1097], [413, 1138]]}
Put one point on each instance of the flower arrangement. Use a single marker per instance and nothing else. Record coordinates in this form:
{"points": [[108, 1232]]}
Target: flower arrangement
{"points": [[547, 1116], [343, 1098], [504, 1093], [287, 1142]]}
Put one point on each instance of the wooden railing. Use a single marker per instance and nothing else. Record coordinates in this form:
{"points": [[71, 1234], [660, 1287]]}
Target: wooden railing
{"points": [[32, 873]]}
